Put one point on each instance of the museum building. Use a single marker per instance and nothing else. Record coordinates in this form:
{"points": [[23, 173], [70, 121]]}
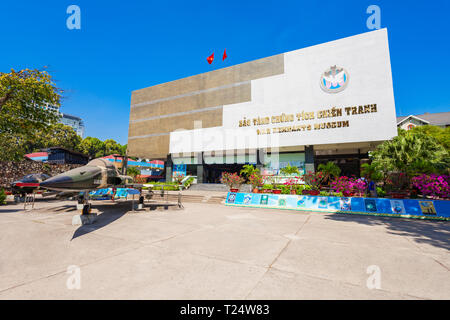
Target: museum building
{"points": [[329, 102]]}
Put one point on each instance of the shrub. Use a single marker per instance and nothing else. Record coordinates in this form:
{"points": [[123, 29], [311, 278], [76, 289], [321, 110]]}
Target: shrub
{"points": [[329, 170], [256, 180], [313, 179], [291, 183], [248, 170], [2, 197], [289, 170], [397, 181], [433, 185], [178, 178], [380, 192], [231, 179], [285, 189], [188, 182], [346, 184]]}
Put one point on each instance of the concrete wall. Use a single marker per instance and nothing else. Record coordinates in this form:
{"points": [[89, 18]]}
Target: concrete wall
{"points": [[156, 111], [14, 170]]}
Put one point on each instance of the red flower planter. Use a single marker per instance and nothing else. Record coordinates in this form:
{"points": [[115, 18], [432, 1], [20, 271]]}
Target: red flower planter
{"points": [[399, 195], [234, 190], [314, 192], [277, 191]]}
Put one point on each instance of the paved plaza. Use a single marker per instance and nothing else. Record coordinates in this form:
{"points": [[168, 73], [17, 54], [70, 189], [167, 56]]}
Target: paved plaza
{"points": [[211, 251]]}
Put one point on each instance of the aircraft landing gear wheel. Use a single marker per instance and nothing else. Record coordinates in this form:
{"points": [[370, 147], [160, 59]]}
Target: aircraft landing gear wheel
{"points": [[86, 209]]}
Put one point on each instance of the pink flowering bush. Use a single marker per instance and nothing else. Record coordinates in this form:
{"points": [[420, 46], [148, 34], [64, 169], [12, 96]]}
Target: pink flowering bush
{"points": [[231, 179], [346, 184], [433, 185], [291, 183]]}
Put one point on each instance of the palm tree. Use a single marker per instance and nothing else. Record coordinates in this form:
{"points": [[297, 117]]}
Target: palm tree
{"points": [[329, 169], [411, 153], [288, 170], [247, 170]]}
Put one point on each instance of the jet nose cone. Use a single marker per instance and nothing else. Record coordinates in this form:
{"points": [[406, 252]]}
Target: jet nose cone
{"points": [[56, 182]]}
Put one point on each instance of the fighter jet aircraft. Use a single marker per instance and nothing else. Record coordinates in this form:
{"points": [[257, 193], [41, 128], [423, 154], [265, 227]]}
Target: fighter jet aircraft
{"points": [[28, 184], [97, 174]]}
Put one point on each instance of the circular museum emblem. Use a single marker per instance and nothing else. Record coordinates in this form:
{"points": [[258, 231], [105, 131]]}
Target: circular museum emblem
{"points": [[334, 79]]}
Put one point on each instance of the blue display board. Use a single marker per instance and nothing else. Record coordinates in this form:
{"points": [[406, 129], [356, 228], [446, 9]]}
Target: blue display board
{"points": [[106, 194], [179, 169], [408, 208]]}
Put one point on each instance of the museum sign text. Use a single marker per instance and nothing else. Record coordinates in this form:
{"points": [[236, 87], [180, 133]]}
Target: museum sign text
{"points": [[329, 114]]}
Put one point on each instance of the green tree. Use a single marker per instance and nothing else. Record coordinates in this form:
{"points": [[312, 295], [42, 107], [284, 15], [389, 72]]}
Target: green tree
{"points": [[133, 172], [59, 135], [247, 170], [123, 150], [93, 147], [442, 135], [23, 95], [112, 147], [412, 153], [12, 147]]}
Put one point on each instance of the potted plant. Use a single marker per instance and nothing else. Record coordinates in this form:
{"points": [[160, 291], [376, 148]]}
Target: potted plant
{"points": [[306, 190], [397, 185], [314, 181], [232, 180], [276, 189], [291, 183], [343, 184], [247, 171], [359, 186], [256, 180], [289, 170], [329, 170], [267, 188]]}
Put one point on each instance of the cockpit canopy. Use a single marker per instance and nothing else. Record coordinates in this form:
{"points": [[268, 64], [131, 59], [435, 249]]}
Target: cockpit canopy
{"points": [[102, 163]]}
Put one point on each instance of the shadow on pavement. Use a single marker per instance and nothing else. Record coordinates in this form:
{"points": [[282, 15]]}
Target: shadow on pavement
{"points": [[109, 214], [435, 233]]}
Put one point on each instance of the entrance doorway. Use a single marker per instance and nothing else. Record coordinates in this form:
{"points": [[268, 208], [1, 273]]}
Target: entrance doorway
{"points": [[349, 164], [213, 172]]}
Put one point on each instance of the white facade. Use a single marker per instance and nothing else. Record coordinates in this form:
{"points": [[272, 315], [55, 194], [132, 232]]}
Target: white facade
{"points": [[290, 96]]}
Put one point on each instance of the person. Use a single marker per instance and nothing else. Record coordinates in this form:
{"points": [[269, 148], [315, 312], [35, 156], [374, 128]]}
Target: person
{"points": [[372, 189]]}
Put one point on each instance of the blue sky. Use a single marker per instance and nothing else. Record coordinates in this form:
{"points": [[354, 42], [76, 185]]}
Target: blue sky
{"points": [[128, 45]]}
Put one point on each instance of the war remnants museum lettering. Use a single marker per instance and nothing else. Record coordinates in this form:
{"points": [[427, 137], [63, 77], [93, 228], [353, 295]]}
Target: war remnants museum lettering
{"points": [[303, 116]]}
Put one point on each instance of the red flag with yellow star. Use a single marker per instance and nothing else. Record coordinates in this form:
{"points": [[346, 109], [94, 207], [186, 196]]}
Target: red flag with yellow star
{"points": [[210, 58]]}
